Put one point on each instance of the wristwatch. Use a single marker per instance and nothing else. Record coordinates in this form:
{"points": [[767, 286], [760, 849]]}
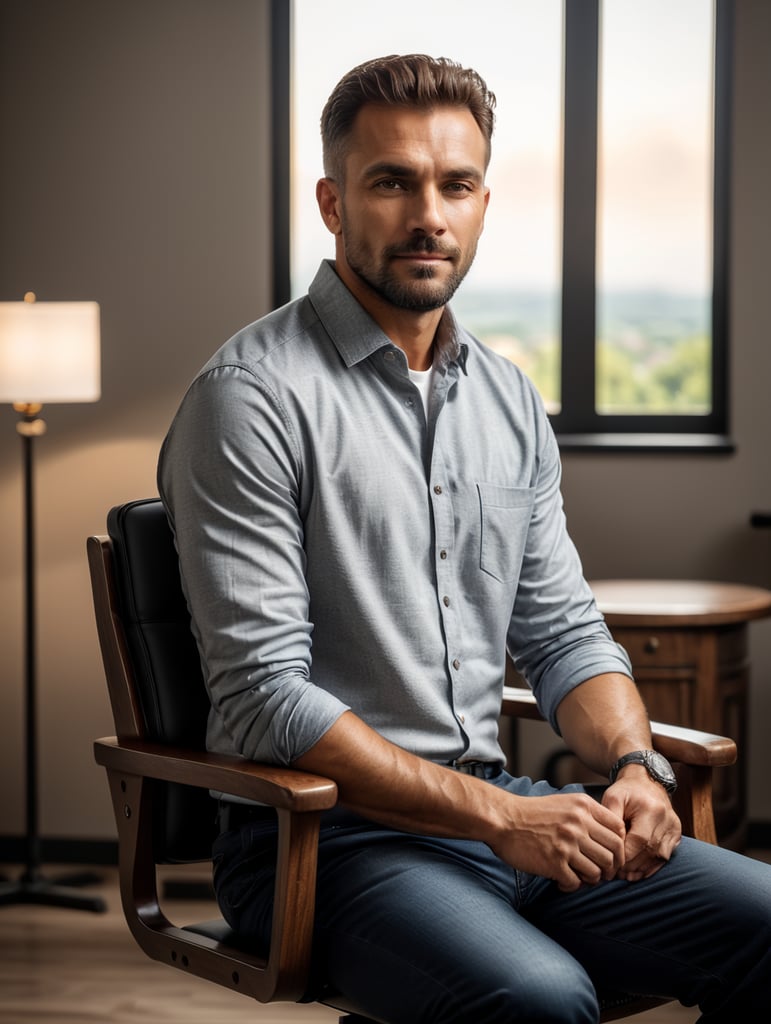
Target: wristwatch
{"points": [[659, 769]]}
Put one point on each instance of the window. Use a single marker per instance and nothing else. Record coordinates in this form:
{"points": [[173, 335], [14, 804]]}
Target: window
{"points": [[644, 318], [510, 298], [602, 269]]}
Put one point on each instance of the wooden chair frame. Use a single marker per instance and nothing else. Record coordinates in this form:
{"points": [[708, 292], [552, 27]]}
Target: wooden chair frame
{"points": [[211, 950]]}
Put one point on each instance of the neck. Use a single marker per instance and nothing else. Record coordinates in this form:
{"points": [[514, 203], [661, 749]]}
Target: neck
{"points": [[411, 330], [414, 334]]}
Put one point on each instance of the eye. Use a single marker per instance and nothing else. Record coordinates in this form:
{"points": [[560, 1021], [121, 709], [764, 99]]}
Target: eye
{"points": [[389, 185], [458, 187]]}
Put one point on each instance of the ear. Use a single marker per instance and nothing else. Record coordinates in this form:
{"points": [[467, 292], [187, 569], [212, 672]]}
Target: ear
{"points": [[330, 204]]}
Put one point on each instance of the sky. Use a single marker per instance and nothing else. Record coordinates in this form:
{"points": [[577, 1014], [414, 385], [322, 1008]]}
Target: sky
{"points": [[655, 179]]}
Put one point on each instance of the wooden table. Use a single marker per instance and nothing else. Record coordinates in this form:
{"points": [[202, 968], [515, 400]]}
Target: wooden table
{"points": [[687, 641]]}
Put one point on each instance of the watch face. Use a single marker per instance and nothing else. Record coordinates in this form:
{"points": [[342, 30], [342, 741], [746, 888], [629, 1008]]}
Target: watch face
{"points": [[655, 764], [661, 768]]}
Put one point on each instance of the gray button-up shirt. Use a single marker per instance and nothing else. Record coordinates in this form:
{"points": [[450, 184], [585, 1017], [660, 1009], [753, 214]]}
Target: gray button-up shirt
{"points": [[339, 550]]}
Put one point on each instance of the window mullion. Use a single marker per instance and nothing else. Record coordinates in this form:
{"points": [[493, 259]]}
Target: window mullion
{"points": [[280, 69], [579, 214], [721, 205]]}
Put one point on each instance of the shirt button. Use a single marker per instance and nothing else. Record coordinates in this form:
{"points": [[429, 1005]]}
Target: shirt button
{"points": [[409, 402], [461, 718], [437, 488], [446, 601], [389, 356], [456, 664], [443, 554]]}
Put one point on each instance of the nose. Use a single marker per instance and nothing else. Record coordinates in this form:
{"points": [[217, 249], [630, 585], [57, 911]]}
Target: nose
{"points": [[426, 212]]}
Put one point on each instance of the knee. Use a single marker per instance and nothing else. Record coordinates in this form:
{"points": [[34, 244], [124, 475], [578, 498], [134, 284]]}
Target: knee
{"points": [[559, 997]]}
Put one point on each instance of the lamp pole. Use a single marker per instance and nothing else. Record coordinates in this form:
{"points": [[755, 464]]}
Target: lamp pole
{"points": [[32, 886], [29, 426]]}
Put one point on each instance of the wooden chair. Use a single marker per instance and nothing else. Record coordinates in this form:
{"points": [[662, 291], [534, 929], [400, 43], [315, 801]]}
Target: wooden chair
{"points": [[160, 775]]}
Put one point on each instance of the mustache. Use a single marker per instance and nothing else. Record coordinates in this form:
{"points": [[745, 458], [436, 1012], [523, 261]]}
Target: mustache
{"points": [[426, 246]]}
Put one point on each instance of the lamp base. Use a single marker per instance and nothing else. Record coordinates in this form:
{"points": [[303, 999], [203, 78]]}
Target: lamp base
{"points": [[34, 888]]}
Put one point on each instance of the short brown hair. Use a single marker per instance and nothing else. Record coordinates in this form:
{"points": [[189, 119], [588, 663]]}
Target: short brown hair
{"points": [[415, 80]]}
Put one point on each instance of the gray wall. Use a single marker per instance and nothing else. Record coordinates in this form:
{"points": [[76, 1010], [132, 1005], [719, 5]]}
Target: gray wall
{"points": [[135, 171]]}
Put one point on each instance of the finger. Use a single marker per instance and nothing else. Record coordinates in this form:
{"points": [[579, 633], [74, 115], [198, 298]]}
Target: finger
{"points": [[606, 848], [614, 802], [645, 858], [611, 815], [669, 844], [569, 882], [581, 871], [594, 866], [639, 874], [591, 860], [597, 859]]}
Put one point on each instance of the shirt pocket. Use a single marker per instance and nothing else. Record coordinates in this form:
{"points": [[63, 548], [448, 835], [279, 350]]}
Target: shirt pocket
{"points": [[505, 517]]}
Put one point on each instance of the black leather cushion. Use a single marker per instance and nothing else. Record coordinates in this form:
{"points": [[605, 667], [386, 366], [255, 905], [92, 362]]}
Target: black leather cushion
{"points": [[167, 670]]}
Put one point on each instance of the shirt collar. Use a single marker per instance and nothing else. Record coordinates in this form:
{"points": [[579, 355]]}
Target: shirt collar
{"points": [[356, 335]]}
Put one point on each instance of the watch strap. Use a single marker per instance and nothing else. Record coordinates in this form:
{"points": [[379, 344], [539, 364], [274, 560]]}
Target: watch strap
{"points": [[648, 759]]}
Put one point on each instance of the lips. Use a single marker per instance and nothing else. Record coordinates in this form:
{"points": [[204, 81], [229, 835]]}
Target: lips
{"points": [[424, 257]]}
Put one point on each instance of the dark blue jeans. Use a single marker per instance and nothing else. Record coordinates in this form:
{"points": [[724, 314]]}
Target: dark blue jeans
{"points": [[417, 929]]}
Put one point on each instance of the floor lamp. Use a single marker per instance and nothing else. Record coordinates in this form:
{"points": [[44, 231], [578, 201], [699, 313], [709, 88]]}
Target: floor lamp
{"points": [[49, 352]]}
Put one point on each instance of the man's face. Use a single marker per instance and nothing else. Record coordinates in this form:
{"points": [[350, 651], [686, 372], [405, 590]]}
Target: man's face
{"points": [[410, 212]]}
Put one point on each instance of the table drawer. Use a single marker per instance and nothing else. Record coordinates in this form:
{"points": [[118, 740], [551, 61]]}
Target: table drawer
{"points": [[662, 648]]}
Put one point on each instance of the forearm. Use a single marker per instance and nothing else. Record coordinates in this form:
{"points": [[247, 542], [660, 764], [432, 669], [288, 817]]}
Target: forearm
{"points": [[383, 782], [603, 719], [569, 838]]}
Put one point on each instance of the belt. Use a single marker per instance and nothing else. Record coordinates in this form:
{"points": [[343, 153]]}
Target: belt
{"points": [[481, 769]]}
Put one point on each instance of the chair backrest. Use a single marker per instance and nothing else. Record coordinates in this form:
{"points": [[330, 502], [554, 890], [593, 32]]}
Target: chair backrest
{"points": [[162, 671]]}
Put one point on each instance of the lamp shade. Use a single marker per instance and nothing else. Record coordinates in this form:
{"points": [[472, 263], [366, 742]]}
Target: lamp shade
{"points": [[49, 352]]}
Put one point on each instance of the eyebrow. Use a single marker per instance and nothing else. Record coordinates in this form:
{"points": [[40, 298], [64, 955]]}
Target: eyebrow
{"points": [[403, 171]]}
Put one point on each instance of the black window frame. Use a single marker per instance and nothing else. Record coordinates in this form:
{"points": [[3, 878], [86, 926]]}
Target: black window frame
{"points": [[280, 147], [578, 425]]}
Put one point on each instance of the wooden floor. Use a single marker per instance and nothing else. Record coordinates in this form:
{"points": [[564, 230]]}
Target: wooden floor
{"points": [[73, 967]]}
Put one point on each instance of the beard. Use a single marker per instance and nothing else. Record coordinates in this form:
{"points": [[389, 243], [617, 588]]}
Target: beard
{"points": [[424, 290]]}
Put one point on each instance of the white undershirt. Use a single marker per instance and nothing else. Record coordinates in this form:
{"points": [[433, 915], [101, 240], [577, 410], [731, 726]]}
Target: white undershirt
{"points": [[422, 380]]}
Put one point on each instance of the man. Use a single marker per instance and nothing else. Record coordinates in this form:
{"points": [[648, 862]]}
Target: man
{"points": [[367, 511]]}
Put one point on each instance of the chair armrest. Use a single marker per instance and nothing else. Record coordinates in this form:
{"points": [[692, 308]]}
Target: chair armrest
{"points": [[675, 742], [519, 702], [692, 747], [277, 787], [133, 766]]}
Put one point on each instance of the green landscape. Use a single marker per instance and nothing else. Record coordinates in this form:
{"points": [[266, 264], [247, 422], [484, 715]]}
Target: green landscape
{"points": [[653, 349]]}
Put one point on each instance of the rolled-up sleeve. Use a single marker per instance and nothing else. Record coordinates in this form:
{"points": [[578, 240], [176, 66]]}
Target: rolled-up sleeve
{"points": [[229, 477]]}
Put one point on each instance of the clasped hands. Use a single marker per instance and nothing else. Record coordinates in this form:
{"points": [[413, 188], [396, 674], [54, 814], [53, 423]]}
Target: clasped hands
{"points": [[576, 840]]}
